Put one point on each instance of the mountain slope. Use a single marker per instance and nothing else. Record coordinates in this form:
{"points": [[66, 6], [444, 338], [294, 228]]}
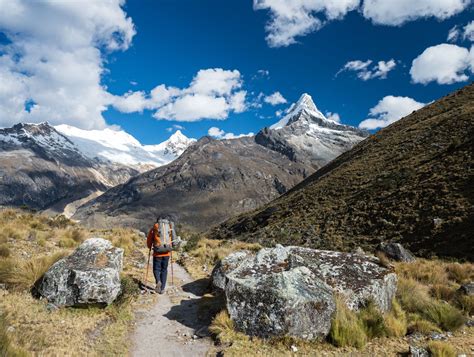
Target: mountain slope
{"points": [[58, 168], [212, 180], [412, 182], [216, 179]]}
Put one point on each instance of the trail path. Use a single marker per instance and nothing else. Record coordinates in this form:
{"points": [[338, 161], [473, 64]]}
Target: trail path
{"points": [[171, 327]]}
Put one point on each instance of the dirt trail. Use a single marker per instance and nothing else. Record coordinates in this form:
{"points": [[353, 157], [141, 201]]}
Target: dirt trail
{"points": [[171, 327]]}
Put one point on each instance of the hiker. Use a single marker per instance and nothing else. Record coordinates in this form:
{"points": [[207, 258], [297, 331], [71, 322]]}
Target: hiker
{"points": [[161, 253]]}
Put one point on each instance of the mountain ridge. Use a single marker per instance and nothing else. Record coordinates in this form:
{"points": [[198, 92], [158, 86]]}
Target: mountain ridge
{"points": [[411, 182]]}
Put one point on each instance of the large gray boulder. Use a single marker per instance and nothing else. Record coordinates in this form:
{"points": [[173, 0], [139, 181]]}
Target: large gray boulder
{"points": [[396, 252], [291, 291], [90, 275]]}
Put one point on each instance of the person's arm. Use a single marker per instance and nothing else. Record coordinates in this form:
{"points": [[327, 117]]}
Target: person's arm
{"points": [[149, 239]]}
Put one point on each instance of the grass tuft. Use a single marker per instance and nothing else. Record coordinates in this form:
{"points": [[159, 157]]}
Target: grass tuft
{"points": [[4, 251], [346, 328], [441, 349], [6, 348], [396, 321]]}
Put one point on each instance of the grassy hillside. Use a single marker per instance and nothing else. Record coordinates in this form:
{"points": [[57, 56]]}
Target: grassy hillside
{"points": [[412, 182], [29, 245]]}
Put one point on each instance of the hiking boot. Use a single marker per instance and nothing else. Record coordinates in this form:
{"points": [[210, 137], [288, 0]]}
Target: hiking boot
{"points": [[158, 288], [162, 291]]}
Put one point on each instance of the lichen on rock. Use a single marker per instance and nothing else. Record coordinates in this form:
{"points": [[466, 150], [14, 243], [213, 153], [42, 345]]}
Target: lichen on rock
{"points": [[290, 291], [90, 275]]}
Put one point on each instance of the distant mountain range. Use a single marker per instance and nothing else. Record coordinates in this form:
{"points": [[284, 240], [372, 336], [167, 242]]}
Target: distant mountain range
{"points": [[58, 168], [412, 182], [216, 179]]}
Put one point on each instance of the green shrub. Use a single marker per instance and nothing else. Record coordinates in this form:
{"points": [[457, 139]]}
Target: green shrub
{"points": [[373, 321], [346, 328], [422, 326], [66, 243], [4, 251], [444, 315], [396, 321], [465, 303], [130, 289], [192, 242], [441, 349]]}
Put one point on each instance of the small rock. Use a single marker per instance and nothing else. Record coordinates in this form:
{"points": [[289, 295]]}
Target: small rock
{"points": [[470, 323], [467, 289], [462, 355], [195, 337], [51, 307], [396, 252], [294, 348], [416, 351], [10, 329], [359, 251], [437, 336], [3, 286]]}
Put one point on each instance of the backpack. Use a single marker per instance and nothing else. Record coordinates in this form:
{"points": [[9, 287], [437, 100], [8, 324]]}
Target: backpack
{"points": [[167, 234]]}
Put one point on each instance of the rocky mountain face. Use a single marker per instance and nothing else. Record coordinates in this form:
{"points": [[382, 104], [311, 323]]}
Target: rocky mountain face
{"points": [[412, 182], [44, 167], [216, 179], [211, 181], [304, 134]]}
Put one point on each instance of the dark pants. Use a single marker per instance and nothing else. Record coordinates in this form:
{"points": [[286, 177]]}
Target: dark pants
{"points": [[160, 269]]}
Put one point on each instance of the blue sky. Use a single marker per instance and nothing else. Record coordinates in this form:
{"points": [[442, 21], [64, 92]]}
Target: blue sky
{"points": [[168, 42]]}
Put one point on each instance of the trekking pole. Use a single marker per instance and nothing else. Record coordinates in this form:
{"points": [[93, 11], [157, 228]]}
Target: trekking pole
{"points": [[147, 267], [172, 273]]}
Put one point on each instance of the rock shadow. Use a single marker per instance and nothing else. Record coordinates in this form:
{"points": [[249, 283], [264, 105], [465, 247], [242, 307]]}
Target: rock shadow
{"points": [[197, 314], [198, 287]]}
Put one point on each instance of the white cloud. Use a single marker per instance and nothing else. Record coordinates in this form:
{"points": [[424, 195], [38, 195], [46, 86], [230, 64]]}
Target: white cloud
{"points": [[333, 116], [56, 59], [290, 19], [221, 134], [380, 70], [175, 127], [279, 113], [212, 94], [296, 18], [469, 31], [275, 99], [453, 34], [389, 110], [397, 12], [444, 63]]}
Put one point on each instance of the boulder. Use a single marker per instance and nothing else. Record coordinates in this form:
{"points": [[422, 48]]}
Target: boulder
{"points": [[467, 289], [90, 275], [291, 291], [396, 252]]}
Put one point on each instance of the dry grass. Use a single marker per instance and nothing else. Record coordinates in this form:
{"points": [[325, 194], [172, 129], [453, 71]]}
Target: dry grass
{"points": [[6, 347], [441, 349], [205, 253], [35, 242], [396, 321], [346, 328]]}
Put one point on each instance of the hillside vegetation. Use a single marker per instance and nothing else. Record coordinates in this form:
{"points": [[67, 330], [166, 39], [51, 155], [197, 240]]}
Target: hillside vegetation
{"points": [[412, 182]]}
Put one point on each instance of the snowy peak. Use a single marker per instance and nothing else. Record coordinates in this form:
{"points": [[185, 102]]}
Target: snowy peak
{"points": [[306, 103], [303, 110], [171, 148]]}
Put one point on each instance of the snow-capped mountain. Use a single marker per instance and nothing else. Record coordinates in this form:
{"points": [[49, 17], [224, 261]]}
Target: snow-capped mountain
{"points": [[305, 134], [119, 147], [46, 167]]}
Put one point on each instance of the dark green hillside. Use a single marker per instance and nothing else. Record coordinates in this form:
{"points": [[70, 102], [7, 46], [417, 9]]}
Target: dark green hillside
{"points": [[412, 182]]}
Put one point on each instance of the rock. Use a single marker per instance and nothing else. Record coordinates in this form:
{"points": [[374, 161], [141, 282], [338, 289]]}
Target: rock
{"points": [[359, 251], [290, 291], [416, 351], [294, 348], [396, 252], [467, 289], [438, 336], [90, 275]]}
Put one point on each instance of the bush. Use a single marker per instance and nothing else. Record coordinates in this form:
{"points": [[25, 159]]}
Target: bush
{"points": [[465, 303], [441, 349], [192, 242], [422, 326], [412, 295], [23, 275], [78, 235], [396, 321], [66, 243], [444, 315], [4, 251], [130, 289], [373, 321], [443, 292], [346, 328], [461, 273], [221, 324]]}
